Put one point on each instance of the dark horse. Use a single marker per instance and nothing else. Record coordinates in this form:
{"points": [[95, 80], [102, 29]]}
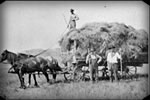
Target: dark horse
{"points": [[34, 64], [27, 64], [12, 58]]}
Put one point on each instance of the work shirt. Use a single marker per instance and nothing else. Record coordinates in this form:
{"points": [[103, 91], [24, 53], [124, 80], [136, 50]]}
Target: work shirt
{"points": [[113, 57], [93, 57], [72, 21], [74, 17]]}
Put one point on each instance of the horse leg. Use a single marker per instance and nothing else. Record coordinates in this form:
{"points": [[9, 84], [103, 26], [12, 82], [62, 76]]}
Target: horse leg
{"points": [[21, 80], [46, 75], [35, 82], [54, 77], [29, 81]]}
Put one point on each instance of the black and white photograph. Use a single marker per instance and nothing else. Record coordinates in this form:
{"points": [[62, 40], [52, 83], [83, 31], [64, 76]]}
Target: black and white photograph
{"points": [[74, 50]]}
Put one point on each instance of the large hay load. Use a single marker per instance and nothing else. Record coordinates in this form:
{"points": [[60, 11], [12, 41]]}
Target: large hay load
{"points": [[102, 36]]}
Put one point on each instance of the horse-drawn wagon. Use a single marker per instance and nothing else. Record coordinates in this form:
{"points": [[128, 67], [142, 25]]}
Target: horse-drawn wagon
{"points": [[127, 68]]}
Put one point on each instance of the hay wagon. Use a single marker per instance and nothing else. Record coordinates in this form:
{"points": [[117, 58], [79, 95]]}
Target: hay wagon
{"points": [[127, 68]]}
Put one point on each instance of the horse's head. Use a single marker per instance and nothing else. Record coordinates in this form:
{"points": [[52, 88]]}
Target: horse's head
{"points": [[3, 56], [52, 63]]}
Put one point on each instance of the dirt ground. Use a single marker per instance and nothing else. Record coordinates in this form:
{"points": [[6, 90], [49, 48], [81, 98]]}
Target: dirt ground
{"points": [[104, 89]]}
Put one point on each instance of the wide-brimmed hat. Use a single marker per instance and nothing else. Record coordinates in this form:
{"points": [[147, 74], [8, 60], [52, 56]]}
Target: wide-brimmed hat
{"points": [[112, 47]]}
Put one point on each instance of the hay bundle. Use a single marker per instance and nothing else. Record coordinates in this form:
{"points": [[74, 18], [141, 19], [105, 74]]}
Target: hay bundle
{"points": [[102, 36]]}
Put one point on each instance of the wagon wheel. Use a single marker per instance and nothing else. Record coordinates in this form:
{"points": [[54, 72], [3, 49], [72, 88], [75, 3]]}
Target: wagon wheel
{"points": [[131, 72], [78, 74], [68, 75]]}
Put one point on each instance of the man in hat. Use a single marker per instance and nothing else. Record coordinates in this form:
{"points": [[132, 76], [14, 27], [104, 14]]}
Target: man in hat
{"points": [[112, 63], [93, 60], [73, 19]]}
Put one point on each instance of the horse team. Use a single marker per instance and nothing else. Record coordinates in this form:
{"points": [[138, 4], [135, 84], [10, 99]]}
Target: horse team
{"points": [[23, 63]]}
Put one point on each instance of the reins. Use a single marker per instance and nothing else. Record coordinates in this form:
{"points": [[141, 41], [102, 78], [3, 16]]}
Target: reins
{"points": [[41, 52]]}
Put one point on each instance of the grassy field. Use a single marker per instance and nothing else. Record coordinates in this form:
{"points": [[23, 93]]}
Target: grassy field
{"points": [[125, 89]]}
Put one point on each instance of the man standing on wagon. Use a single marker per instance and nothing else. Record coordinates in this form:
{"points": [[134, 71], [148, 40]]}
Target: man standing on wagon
{"points": [[112, 63], [73, 19], [93, 60]]}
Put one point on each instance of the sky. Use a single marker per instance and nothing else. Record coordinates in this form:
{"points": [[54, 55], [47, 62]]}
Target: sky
{"points": [[40, 24]]}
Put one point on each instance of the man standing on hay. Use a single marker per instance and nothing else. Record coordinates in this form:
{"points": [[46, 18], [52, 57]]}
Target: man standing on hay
{"points": [[73, 19], [93, 60], [112, 63]]}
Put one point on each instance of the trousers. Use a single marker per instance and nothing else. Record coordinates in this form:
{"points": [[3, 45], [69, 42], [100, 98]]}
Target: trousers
{"points": [[113, 69], [93, 68]]}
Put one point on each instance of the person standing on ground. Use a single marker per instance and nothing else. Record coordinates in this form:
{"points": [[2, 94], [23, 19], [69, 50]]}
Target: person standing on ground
{"points": [[93, 60], [112, 63], [73, 18]]}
